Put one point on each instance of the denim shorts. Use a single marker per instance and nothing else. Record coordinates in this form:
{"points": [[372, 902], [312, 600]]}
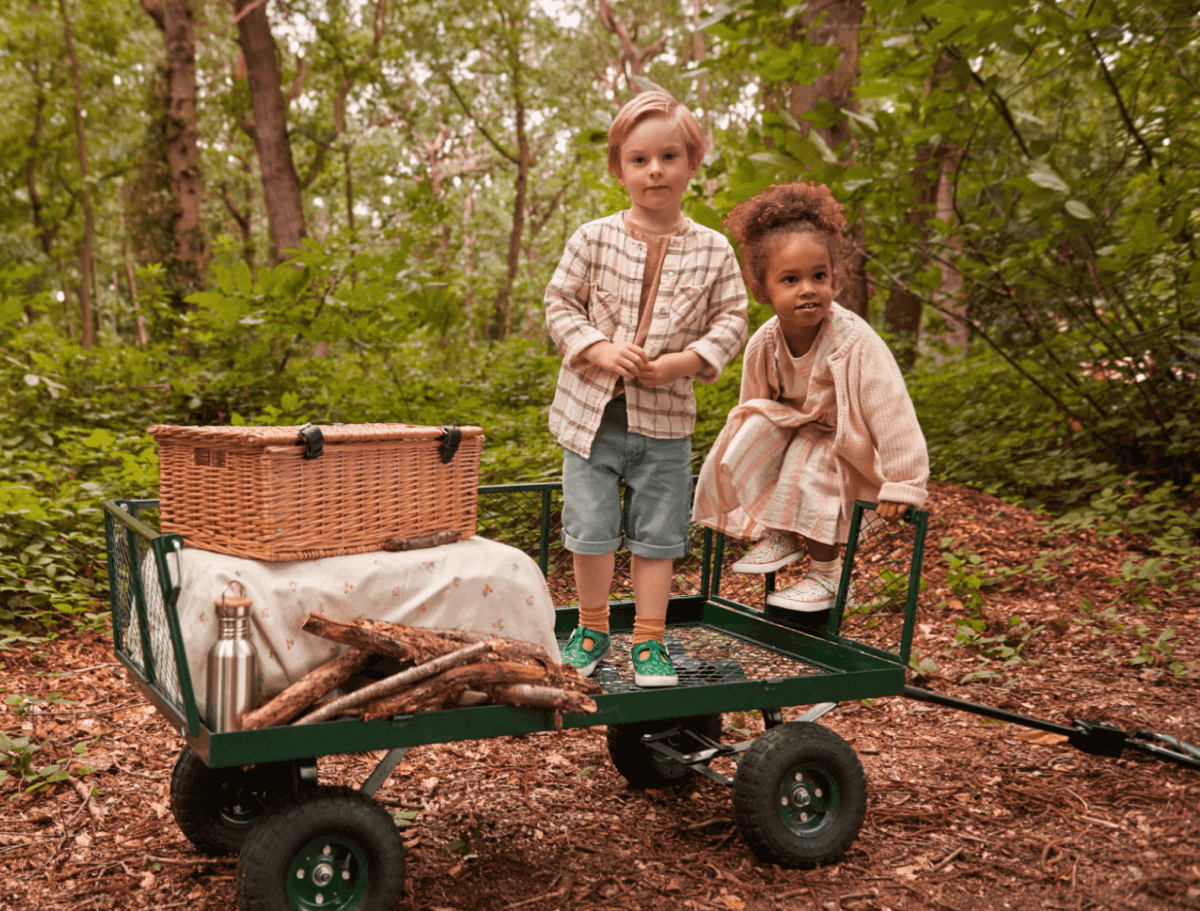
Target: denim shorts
{"points": [[658, 474]]}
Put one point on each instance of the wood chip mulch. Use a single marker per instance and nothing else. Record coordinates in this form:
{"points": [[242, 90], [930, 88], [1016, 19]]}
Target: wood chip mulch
{"points": [[964, 814]]}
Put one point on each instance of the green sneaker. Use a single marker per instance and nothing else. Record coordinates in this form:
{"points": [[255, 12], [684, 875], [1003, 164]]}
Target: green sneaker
{"points": [[656, 668], [583, 659]]}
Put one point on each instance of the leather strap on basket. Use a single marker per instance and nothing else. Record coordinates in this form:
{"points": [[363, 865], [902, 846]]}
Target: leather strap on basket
{"points": [[314, 441], [453, 436]]}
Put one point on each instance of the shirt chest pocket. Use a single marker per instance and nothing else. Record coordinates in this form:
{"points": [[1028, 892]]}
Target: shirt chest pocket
{"points": [[604, 310], [689, 309]]}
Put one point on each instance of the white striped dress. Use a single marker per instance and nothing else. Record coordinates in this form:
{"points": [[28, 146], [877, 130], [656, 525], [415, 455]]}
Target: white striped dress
{"points": [[811, 436]]}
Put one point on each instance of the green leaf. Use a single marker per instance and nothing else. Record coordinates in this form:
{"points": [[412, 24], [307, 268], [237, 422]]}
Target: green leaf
{"points": [[1079, 210], [11, 310], [1044, 176], [100, 439], [773, 162], [213, 300]]}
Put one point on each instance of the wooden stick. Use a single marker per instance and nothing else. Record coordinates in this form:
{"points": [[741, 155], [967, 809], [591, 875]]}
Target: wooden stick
{"points": [[307, 690], [435, 539], [447, 686], [544, 697], [391, 684], [420, 643], [408, 643], [472, 697]]}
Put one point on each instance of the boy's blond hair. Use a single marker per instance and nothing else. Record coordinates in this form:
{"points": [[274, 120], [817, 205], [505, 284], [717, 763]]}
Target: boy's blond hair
{"points": [[658, 102]]}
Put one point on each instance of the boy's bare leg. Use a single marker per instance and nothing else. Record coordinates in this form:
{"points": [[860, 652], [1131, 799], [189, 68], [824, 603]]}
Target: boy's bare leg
{"points": [[594, 578], [651, 586], [651, 592]]}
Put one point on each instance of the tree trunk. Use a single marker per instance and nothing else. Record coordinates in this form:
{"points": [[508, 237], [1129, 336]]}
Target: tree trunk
{"points": [[281, 187], [633, 60], [87, 269], [503, 315], [175, 18], [902, 315], [837, 22], [131, 277], [954, 338], [44, 232]]}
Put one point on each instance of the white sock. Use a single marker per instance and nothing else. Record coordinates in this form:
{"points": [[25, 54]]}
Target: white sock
{"points": [[831, 570]]}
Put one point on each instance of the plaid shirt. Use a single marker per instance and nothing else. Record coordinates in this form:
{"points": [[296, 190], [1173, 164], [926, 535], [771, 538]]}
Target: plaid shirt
{"points": [[593, 297]]}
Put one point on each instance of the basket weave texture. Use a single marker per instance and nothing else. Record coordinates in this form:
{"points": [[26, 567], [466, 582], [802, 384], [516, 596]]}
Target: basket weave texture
{"points": [[249, 491]]}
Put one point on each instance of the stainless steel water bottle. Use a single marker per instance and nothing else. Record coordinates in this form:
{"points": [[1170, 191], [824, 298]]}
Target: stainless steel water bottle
{"points": [[232, 663]]}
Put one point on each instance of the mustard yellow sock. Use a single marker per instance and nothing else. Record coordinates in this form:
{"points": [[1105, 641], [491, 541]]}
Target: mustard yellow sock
{"points": [[595, 618], [646, 628]]}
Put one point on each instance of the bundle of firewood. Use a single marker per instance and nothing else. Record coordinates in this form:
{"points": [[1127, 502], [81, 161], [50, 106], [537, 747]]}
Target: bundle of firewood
{"points": [[449, 668]]}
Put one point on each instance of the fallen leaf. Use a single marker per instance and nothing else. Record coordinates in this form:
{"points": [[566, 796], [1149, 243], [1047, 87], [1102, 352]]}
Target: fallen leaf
{"points": [[1045, 738], [733, 903], [147, 881]]}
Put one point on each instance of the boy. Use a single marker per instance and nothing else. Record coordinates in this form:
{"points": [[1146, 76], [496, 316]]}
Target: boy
{"points": [[643, 302]]}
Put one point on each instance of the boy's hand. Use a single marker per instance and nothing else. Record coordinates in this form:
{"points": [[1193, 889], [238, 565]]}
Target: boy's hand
{"points": [[668, 368], [890, 512], [626, 361]]}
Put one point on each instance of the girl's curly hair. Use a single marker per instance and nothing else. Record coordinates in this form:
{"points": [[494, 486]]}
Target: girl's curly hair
{"points": [[790, 208]]}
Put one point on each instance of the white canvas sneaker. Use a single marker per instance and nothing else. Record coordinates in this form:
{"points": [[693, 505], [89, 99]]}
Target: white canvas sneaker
{"points": [[774, 550], [812, 593]]}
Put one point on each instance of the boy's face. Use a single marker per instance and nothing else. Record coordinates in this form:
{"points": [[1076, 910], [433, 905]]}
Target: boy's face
{"points": [[655, 169], [799, 279]]}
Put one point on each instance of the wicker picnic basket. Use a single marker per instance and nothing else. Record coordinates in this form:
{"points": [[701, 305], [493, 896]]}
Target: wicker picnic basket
{"points": [[299, 493]]}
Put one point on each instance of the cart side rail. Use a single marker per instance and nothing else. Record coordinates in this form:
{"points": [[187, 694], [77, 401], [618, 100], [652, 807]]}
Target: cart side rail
{"points": [[144, 584], [878, 594]]}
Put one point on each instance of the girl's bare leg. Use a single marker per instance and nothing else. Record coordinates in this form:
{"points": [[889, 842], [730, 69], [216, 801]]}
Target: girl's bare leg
{"points": [[821, 553]]}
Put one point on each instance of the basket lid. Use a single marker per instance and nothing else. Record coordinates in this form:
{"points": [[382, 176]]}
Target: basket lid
{"points": [[281, 436]]}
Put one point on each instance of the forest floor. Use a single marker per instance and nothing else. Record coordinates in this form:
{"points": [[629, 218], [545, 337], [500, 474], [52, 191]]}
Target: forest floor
{"points": [[963, 814]]}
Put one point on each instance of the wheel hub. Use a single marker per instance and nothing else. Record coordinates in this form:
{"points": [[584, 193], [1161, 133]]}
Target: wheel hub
{"points": [[329, 874], [808, 798]]}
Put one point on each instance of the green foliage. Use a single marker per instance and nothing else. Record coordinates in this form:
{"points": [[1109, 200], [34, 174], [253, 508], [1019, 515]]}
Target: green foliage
{"points": [[17, 753], [1160, 651], [468, 842], [404, 818], [966, 576], [1003, 440]]}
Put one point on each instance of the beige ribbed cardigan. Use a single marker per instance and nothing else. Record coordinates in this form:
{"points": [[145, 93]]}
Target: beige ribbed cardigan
{"points": [[856, 393]]}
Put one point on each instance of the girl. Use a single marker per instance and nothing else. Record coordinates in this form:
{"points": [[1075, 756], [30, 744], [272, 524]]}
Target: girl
{"points": [[824, 417]]}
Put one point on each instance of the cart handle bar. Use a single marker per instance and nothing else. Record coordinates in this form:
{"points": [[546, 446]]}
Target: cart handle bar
{"points": [[1098, 738]]}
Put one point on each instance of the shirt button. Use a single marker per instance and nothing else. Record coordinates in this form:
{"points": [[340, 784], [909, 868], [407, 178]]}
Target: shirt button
{"points": [[662, 311]]}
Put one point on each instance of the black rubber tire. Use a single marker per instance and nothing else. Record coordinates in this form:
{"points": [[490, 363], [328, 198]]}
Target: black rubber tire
{"points": [[216, 808], [641, 766], [280, 847], [800, 795]]}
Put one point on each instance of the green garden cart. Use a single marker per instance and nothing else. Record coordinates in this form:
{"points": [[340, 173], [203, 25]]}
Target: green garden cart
{"points": [[799, 793]]}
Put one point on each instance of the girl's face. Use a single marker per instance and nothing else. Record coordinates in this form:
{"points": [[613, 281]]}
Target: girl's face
{"points": [[799, 281]]}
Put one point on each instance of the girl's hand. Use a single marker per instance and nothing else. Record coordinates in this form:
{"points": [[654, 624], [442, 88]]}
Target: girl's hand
{"points": [[890, 512], [626, 361]]}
